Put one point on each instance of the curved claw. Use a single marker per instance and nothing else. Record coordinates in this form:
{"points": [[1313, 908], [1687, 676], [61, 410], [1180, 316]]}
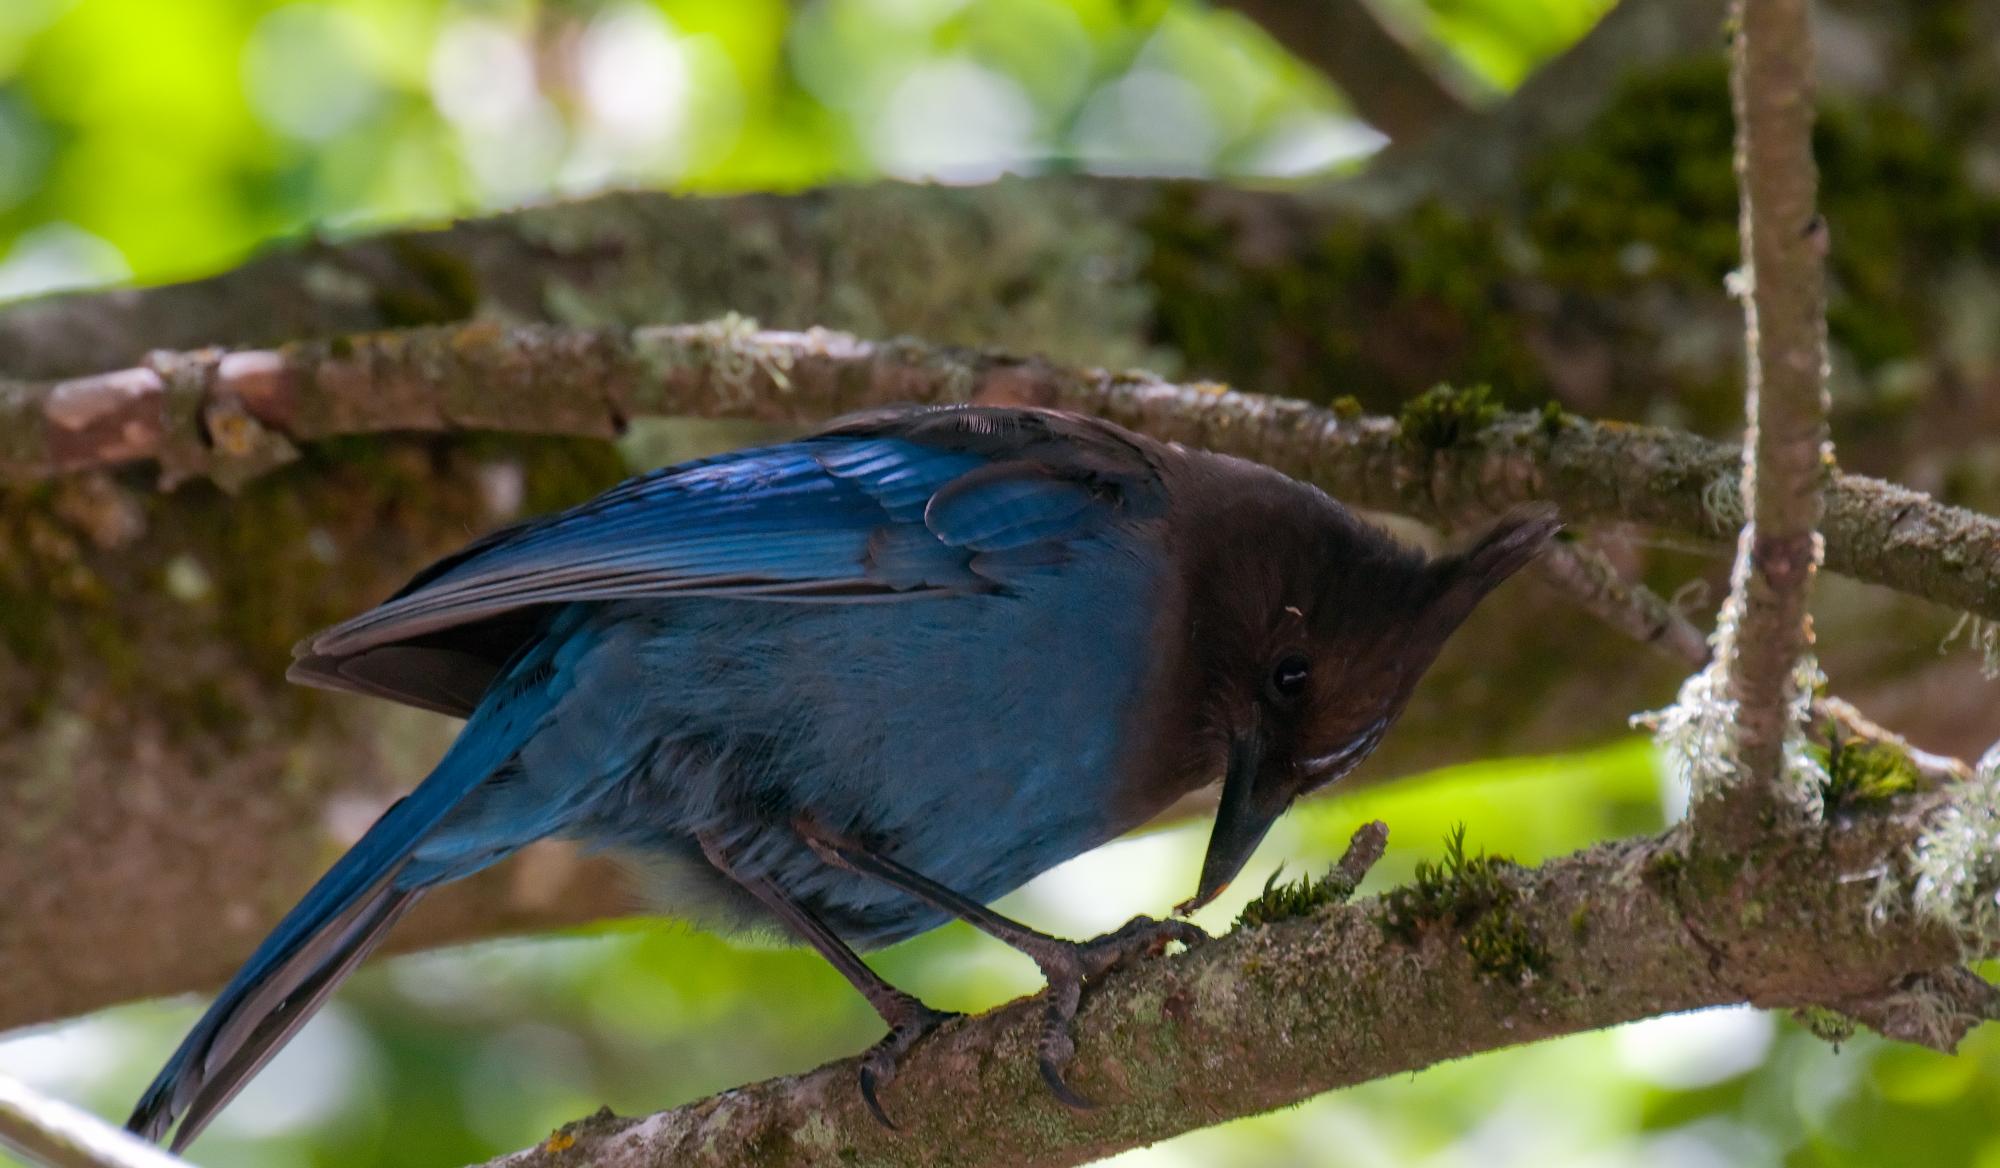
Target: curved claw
{"points": [[1069, 964], [1064, 1093], [878, 1069], [868, 1080]]}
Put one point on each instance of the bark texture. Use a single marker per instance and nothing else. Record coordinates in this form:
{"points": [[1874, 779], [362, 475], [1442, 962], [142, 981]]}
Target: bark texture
{"points": [[1451, 457], [1275, 1013], [1786, 455]]}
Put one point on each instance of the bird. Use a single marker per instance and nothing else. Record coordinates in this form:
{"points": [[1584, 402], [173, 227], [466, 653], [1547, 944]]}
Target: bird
{"points": [[854, 685]]}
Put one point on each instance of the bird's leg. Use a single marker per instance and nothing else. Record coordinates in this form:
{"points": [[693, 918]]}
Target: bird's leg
{"points": [[909, 1019], [1066, 964]]}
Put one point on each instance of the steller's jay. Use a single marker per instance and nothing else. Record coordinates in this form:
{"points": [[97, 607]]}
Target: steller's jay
{"points": [[861, 683]]}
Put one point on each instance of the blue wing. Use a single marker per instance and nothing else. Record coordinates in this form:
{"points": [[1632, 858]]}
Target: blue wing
{"points": [[895, 506]]}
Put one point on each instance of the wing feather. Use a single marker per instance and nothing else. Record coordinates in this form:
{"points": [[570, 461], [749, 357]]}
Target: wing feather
{"points": [[890, 506]]}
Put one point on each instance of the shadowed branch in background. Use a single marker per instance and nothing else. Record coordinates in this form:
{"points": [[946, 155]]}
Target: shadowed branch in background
{"points": [[838, 256], [1386, 80]]}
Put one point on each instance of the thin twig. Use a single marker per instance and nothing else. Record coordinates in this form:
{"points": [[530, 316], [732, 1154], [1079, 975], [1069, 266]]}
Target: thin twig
{"points": [[1582, 572], [54, 1134], [1855, 724], [1787, 455], [1586, 576]]}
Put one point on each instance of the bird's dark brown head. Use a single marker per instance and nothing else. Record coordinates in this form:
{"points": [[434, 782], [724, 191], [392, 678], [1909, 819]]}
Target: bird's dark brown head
{"points": [[1307, 629]]}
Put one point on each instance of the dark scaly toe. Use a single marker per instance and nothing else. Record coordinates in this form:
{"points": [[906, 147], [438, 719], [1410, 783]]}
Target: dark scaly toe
{"points": [[1056, 1046], [1064, 1093], [878, 1066], [1138, 937], [1069, 964]]}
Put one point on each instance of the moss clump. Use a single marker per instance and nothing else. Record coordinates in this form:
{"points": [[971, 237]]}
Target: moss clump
{"points": [[1647, 191], [1472, 895], [1553, 418], [1860, 772], [1442, 416], [438, 287], [1829, 1026], [1253, 294], [1296, 898]]}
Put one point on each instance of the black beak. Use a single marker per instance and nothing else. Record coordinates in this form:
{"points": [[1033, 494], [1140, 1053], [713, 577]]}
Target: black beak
{"points": [[1245, 817]]}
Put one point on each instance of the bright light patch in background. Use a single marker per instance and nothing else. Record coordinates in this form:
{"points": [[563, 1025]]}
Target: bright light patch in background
{"points": [[653, 103], [64, 1061], [306, 71], [1312, 142], [483, 81], [482, 76], [1688, 1051], [956, 121], [1148, 122], [311, 1080], [1709, 1143], [1102, 889], [634, 74], [56, 256]]}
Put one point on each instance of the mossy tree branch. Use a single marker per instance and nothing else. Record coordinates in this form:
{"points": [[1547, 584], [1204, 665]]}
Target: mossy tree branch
{"points": [[1451, 457], [1484, 955]]}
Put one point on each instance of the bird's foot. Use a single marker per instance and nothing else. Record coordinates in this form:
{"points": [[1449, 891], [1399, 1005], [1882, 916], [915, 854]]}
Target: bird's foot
{"points": [[1069, 964], [909, 1021]]}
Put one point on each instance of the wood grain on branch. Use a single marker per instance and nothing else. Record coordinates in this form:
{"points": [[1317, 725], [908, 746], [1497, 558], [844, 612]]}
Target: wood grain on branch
{"points": [[1787, 457], [1271, 1015], [1386, 81], [234, 414]]}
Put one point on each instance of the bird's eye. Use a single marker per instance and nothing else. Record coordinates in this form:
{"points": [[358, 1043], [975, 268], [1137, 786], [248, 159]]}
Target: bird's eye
{"points": [[1288, 677]]}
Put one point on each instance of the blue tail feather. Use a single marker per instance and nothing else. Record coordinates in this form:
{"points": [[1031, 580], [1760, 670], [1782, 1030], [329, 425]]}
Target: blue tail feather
{"points": [[339, 920]]}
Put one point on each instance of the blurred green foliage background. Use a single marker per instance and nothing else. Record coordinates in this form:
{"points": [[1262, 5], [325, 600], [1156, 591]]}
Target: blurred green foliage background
{"points": [[150, 140]]}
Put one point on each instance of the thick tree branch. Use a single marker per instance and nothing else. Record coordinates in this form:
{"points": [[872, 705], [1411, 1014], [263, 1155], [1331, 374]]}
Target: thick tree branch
{"points": [[234, 414], [1271, 1015], [1787, 458], [1054, 264], [1386, 81], [51, 1133]]}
